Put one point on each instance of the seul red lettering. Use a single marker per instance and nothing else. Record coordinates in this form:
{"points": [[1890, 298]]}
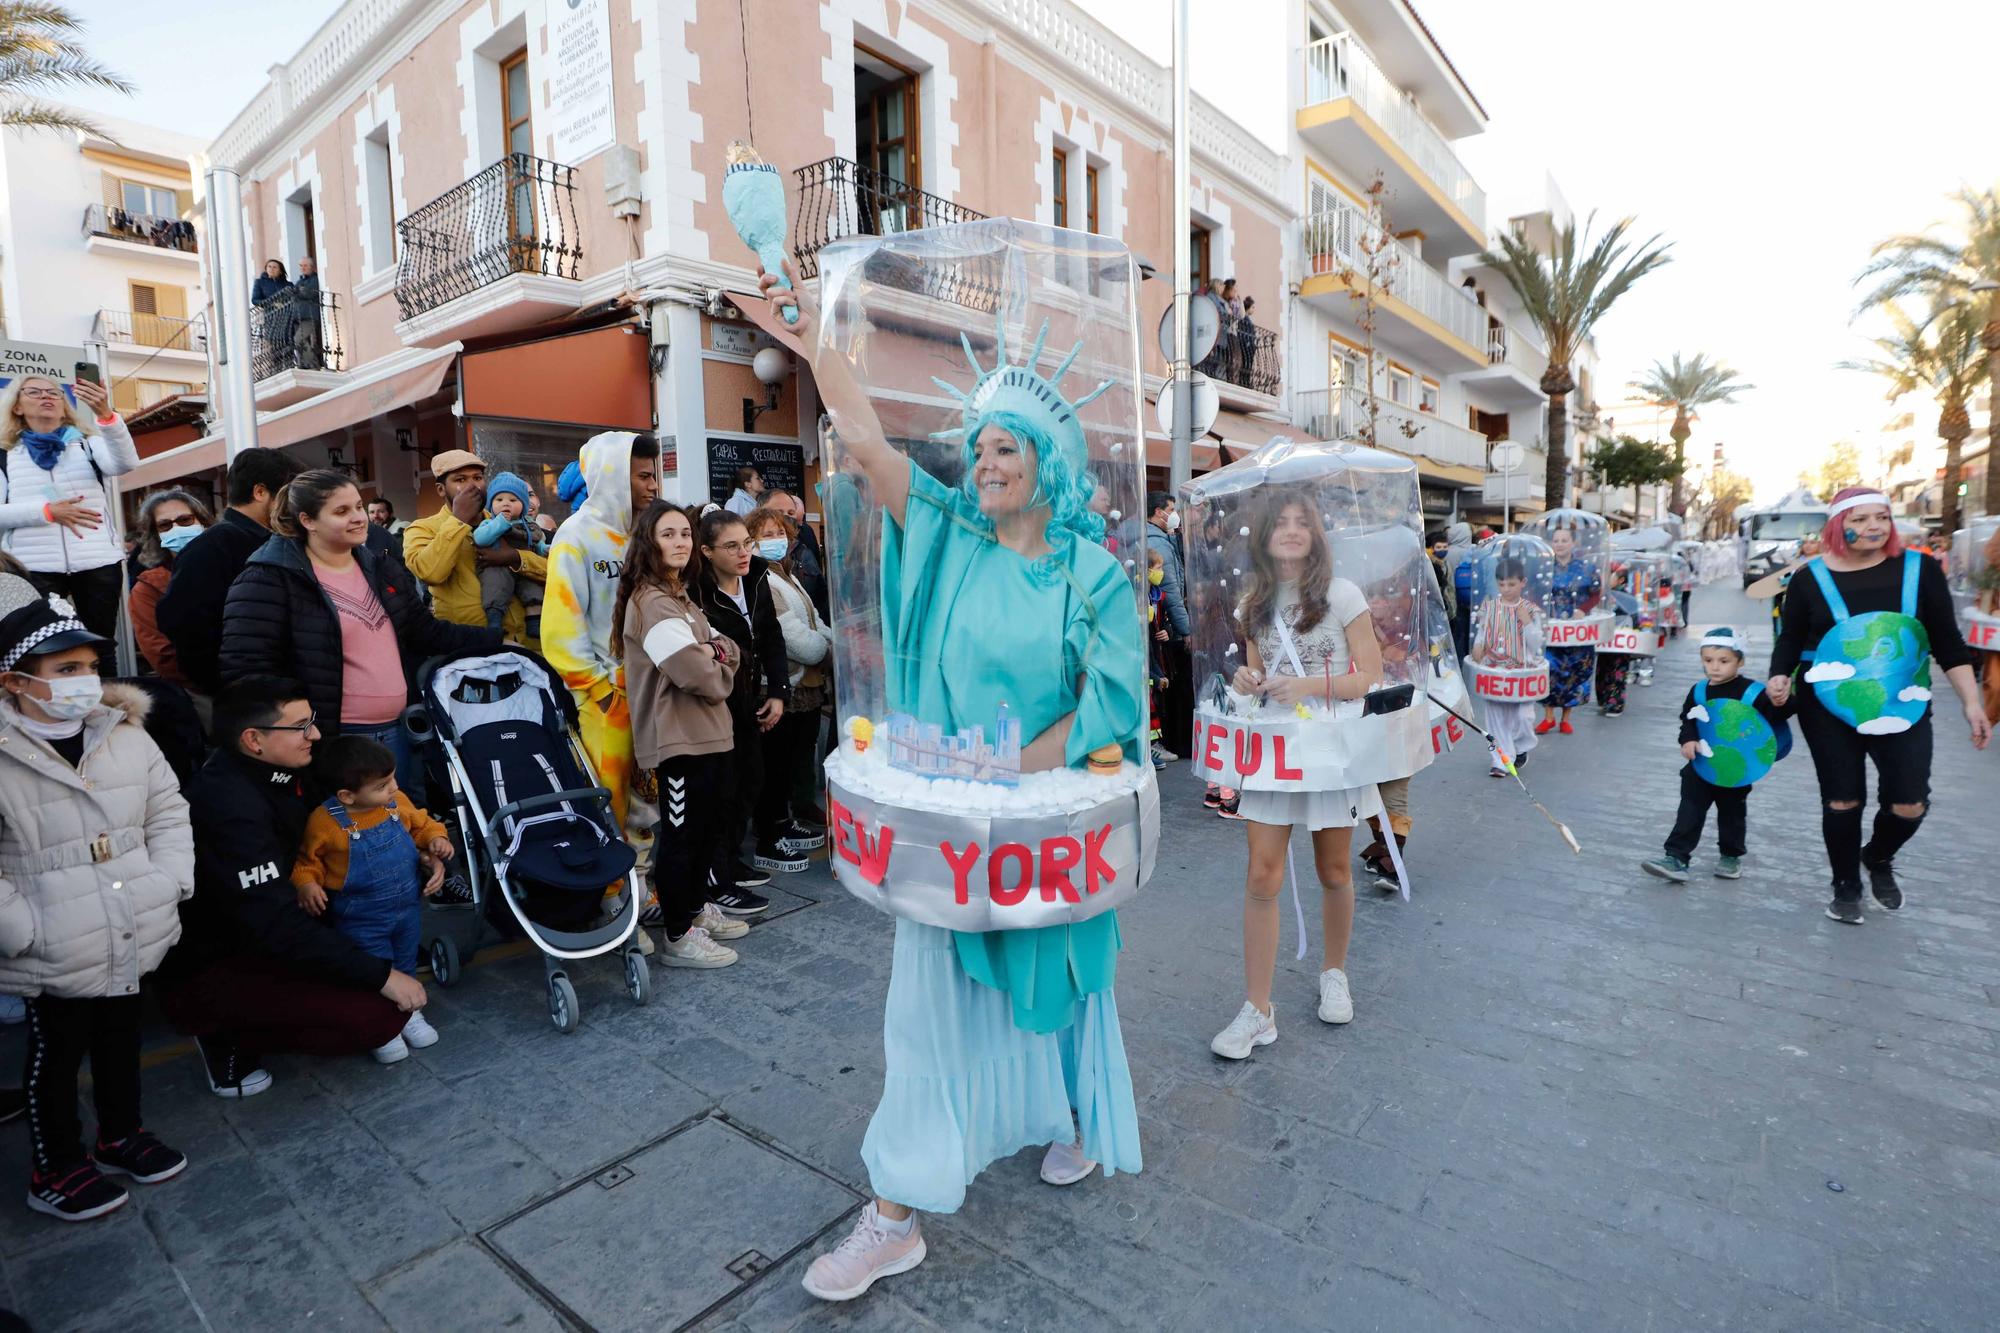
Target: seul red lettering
{"points": [[1282, 769], [1249, 758]]}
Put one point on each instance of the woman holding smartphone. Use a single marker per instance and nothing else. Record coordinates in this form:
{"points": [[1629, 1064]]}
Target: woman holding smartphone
{"points": [[60, 444]]}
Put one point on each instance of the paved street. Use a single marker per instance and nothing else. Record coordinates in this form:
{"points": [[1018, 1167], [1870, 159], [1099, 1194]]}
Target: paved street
{"points": [[1572, 1097]]}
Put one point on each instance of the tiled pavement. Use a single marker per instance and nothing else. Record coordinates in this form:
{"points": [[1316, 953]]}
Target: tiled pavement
{"points": [[1573, 1097]]}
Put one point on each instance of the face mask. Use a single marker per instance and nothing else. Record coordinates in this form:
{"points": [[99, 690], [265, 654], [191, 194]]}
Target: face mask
{"points": [[1173, 522], [773, 548], [176, 539], [73, 697], [1156, 577]]}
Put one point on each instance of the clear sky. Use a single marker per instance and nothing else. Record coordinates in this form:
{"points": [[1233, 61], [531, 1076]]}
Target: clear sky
{"points": [[1774, 143]]}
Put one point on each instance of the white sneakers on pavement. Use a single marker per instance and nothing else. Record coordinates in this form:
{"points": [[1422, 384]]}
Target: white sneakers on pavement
{"points": [[719, 926], [1250, 1028], [1336, 1004], [1065, 1164], [393, 1051], [695, 949], [418, 1032], [876, 1248]]}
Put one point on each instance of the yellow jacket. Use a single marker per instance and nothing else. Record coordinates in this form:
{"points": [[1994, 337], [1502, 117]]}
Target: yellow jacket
{"points": [[438, 549]]}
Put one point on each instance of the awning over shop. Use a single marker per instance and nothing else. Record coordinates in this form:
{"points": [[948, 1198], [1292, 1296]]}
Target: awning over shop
{"points": [[600, 377], [370, 393]]}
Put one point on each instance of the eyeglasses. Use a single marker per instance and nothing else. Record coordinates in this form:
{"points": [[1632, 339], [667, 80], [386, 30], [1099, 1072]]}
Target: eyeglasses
{"points": [[41, 393], [733, 548], [185, 520], [301, 727]]}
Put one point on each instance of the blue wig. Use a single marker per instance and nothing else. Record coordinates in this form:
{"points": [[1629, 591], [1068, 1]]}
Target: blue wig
{"points": [[1065, 492]]}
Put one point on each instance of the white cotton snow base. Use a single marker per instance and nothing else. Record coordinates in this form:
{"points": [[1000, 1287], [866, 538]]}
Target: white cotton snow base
{"points": [[1058, 791], [963, 1087]]}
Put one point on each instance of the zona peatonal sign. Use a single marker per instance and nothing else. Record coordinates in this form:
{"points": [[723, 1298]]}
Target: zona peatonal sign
{"points": [[52, 360]]}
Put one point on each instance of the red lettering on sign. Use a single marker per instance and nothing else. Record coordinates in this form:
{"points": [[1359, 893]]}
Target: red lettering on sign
{"points": [[1097, 871], [1059, 857], [1005, 852], [874, 858], [1253, 759], [961, 865], [1284, 771], [1983, 636], [1454, 729], [843, 830], [1211, 750]]}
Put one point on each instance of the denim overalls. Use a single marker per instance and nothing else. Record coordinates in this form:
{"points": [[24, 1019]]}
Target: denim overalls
{"points": [[379, 905]]}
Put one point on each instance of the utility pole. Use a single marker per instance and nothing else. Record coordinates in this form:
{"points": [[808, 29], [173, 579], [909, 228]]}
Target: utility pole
{"points": [[235, 393], [1179, 374]]}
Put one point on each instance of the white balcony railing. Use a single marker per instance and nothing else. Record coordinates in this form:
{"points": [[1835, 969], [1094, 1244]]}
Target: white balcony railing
{"points": [[1338, 67], [1332, 241], [1507, 346], [1342, 414]]}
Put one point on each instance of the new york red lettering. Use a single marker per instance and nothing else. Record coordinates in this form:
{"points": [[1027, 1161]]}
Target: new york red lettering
{"points": [[843, 830], [1097, 871], [1059, 857], [961, 864], [1005, 852]]}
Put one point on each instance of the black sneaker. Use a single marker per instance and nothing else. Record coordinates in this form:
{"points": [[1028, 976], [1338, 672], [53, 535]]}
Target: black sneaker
{"points": [[1846, 905], [796, 837], [454, 892], [13, 1104], [776, 855], [142, 1157], [231, 1072], [745, 877], [1882, 883], [74, 1193], [740, 902]]}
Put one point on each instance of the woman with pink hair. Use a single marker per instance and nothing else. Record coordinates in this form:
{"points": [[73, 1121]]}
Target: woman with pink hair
{"points": [[1865, 620]]}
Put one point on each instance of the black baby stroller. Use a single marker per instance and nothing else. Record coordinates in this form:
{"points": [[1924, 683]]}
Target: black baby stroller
{"points": [[536, 832]]}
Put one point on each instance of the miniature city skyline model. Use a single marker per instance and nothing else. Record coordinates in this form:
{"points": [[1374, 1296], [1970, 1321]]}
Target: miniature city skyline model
{"points": [[923, 748]]}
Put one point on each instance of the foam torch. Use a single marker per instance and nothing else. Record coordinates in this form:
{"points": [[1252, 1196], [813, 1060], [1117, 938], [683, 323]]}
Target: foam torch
{"points": [[753, 194]]}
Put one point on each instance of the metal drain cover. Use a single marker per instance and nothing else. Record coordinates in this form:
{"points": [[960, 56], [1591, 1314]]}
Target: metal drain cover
{"points": [[689, 1222]]}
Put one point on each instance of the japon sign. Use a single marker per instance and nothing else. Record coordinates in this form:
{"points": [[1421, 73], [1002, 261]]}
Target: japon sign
{"points": [[1575, 633], [975, 873]]}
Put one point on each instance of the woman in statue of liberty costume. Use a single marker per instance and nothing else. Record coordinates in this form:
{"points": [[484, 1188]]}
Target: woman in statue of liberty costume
{"points": [[993, 591]]}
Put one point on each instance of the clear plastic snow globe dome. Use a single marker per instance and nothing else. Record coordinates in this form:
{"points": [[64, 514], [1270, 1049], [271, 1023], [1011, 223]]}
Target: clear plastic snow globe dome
{"points": [[1297, 554], [1511, 596], [987, 558], [1634, 599], [1975, 583], [1579, 614]]}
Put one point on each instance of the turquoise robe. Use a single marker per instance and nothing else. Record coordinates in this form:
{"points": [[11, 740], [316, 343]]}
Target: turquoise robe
{"points": [[968, 625]]}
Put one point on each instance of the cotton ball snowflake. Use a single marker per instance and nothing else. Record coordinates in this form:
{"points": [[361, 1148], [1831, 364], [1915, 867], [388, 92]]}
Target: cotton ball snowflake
{"points": [[1241, 532], [1237, 572], [1118, 447], [1116, 516], [1231, 652]]}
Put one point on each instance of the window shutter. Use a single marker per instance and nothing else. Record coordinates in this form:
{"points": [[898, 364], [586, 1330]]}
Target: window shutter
{"points": [[125, 395], [183, 203], [114, 190], [145, 300], [172, 301]]}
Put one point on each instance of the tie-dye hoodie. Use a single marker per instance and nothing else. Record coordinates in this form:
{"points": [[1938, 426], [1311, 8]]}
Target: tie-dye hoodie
{"points": [[584, 563]]}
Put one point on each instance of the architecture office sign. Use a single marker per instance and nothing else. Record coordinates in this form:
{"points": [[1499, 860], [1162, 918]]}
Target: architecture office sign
{"points": [[580, 79]]}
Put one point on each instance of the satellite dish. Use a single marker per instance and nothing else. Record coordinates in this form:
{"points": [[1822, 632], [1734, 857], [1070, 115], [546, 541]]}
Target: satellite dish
{"points": [[1507, 456], [1201, 415], [1204, 329]]}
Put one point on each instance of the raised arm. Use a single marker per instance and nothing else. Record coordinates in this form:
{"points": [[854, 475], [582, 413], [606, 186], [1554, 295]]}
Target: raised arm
{"points": [[861, 434]]}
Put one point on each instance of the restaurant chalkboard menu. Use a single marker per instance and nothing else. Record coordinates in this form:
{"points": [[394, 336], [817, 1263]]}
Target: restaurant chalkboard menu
{"points": [[783, 466]]}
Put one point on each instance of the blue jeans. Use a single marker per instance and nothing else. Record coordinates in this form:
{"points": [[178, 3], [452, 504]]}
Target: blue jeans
{"points": [[409, 764], [379, 904]]}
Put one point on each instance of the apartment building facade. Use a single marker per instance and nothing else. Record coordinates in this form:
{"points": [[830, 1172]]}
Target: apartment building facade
{"points": [[97, 252], [515, 207]]}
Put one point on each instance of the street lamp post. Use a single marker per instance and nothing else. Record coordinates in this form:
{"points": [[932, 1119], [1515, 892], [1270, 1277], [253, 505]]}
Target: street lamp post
{"points": [[1507, 456]]}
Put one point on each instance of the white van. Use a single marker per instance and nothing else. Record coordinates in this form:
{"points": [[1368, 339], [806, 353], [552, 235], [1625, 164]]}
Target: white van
{"points": [[1768, 536]]}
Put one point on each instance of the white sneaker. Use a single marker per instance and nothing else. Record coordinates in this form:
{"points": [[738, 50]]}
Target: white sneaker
{"points": [[418, 1032], [872, 1250], [1249, 1028], [718, 926], [696, 949], [645, 942], [1336, 1005], [1065, 1164], [391, 1051]]}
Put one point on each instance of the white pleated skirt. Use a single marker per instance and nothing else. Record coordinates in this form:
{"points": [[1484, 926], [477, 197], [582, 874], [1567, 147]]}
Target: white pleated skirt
{"points": [[1341, 807]]}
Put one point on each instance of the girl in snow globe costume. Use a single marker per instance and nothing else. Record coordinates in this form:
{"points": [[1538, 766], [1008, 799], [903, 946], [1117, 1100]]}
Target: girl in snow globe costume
{"points": [[991, 789], [1579, 615], [1318, 690], [1510, 672]]}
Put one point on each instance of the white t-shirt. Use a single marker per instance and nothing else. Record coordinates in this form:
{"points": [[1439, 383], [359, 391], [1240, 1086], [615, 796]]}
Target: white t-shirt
{"points": [[1323, 648], [742, 601]]}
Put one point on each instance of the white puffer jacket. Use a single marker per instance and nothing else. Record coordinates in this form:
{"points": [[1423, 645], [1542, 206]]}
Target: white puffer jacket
{"points": [[50, 548], [808, 639], [94, 860]]}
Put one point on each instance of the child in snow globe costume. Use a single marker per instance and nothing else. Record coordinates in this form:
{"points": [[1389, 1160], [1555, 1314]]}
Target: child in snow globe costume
{"points": [[1317, 689], [991, 789], [1579, 614], [1510, 671]]}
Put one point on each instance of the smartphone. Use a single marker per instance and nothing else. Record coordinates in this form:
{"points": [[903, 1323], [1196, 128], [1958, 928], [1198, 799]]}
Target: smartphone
{"points": [[1391, 700], [87, 370]]}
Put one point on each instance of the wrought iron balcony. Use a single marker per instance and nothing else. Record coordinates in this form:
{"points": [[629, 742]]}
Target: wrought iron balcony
{"points": [[139, 329], [152, 229], [296, 330], [516, 216], [839, 197], [1246, 356]]}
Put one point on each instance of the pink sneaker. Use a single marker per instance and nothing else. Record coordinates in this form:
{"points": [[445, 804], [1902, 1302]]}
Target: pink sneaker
{"points": [[870, 1251], [1065, 1164]]}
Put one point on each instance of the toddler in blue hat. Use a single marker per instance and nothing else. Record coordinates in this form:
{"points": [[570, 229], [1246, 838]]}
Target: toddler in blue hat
{"points": [[507, 502]]}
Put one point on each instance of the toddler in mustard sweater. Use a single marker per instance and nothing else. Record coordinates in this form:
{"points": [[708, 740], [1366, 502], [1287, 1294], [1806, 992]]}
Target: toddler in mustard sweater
{"points": [[369, 856]]}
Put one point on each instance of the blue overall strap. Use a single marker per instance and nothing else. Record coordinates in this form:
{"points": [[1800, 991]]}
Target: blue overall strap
{"points": [[1912, 567], [1752, 690], [1834, 601], [1701, 693], [333, 807]]}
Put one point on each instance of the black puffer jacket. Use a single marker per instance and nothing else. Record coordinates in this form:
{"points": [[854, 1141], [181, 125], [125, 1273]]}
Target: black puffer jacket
{"points": [[765, 672], [279, 620]]}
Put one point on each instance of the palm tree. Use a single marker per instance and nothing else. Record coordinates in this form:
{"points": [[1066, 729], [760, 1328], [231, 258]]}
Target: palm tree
{"points": [[1687, 387], [1564, 295], [1961, 267], [39, 50], [1940, 357]]}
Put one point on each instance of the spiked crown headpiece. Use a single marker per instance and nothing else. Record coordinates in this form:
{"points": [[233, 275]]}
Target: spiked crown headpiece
{"points": [[1023, 391]]}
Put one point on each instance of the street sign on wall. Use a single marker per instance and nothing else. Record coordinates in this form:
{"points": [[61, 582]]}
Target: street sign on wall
{"points": [[580, 79], [52, 360]]}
